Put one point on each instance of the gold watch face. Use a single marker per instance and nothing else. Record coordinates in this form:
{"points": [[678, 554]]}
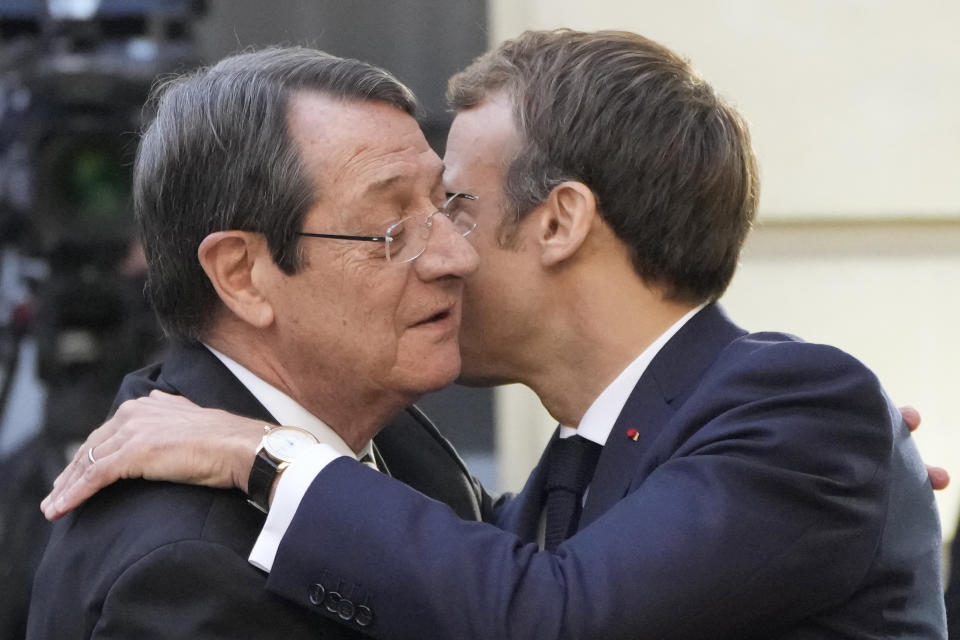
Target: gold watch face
{"points": [[283, 443]]}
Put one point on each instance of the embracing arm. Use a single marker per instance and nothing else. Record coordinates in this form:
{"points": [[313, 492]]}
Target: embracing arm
{"points": [[765, 515], [155, 437], [135, 446]]}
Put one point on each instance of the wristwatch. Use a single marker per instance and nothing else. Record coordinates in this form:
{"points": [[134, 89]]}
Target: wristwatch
{"points": [[278, 448]]}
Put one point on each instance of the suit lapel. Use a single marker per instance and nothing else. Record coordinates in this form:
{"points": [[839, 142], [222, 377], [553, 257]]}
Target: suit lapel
{"points": [[668, 381], [194, 372], [646, 411]]}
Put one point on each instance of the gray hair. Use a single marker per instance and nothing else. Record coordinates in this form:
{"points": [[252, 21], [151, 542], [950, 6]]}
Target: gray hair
{"points": [[219, 156]]}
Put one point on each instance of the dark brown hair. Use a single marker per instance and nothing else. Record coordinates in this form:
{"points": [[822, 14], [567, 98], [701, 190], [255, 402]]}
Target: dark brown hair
{"points": [[669, 162]]}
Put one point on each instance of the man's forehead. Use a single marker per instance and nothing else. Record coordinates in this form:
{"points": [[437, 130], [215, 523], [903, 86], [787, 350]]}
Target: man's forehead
{"points": [[369, 147], [397, 178], [398, 162], [482, 141]]}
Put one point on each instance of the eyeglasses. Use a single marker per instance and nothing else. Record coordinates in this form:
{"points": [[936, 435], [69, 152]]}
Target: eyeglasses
{"points": [[407, 239]]}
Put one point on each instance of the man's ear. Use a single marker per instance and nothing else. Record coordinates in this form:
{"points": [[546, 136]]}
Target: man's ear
{"points": [[565, 221], [230, 260]]}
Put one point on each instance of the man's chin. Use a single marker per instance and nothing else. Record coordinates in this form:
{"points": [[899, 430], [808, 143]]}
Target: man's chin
{"points": [[427, 379]]}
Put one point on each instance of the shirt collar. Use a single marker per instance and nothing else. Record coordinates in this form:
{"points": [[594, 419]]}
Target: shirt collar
{"points": [[598, 421], [287, 411]]}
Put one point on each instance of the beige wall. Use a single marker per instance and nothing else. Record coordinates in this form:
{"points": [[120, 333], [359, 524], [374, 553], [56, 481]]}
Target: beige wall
{"points": [[853, 103], [853, 106]]}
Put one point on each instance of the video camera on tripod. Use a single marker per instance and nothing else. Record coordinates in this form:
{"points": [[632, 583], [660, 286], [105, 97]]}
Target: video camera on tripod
{"points": [[74, 75]]}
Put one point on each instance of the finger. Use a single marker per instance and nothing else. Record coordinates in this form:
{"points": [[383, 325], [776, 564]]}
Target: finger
{"points": [[81, 458], [54, 505], [73, 464], [95, 441], [100, 442], [93, 478], [939, 478], [70, 475], [911, 416], [73, 469]]}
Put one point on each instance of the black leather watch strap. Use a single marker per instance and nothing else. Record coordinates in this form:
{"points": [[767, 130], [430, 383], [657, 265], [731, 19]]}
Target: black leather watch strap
{"points": [[262, 475]]}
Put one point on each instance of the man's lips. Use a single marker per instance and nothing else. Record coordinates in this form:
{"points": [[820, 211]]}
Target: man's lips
{"points": [[437, 316]]}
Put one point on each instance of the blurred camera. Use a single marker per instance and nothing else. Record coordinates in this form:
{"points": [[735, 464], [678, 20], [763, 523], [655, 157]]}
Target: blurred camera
{"points": [[74, 75]]}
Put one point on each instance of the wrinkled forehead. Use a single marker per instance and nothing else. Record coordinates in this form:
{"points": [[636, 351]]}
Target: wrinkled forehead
{"points": [[355, 149]]}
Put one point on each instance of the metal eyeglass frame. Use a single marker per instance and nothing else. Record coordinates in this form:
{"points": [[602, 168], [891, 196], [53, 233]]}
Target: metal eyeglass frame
{"points": [[388, 238]]}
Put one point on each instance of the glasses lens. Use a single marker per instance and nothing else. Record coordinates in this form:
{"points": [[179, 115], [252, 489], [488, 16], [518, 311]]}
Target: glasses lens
{"points": [[407, 239], [463, 222]]}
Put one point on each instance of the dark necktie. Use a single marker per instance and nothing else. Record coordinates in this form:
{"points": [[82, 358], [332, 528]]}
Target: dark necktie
{"points": [[368, 460], [570, 466]]}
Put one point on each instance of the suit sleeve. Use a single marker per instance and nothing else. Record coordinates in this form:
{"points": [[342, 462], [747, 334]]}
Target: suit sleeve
{"points": [[196, 589], [768, 508]]}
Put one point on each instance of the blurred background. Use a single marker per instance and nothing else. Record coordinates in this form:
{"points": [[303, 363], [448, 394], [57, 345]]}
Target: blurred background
{"points": [[853, 106]]}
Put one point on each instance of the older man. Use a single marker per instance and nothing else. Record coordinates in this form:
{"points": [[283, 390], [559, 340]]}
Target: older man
{"points": [[740, 485], [289, 210]]}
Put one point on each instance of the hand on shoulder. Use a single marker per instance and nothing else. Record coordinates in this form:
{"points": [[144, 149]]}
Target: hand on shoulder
{"points": [[158, 437]]}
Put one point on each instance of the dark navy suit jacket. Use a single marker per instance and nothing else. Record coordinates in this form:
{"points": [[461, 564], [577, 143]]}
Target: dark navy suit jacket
{"points": [[773, 492], [152, 560]]}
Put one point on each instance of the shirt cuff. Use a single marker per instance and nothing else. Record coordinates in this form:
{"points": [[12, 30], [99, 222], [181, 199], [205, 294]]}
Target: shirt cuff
{"points": [[292, 486]]}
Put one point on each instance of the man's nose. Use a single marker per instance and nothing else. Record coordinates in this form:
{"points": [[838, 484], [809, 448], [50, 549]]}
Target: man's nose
{"points": [[448, 253]]}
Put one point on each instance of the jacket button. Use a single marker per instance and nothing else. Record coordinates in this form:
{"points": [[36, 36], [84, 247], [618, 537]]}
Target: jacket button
{"points": [[345, 609], [332, 601], [316, 594], [363, 616]]}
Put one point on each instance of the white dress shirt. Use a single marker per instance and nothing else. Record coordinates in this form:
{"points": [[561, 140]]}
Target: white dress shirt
{"points": [[596, 425], [287, 411]]}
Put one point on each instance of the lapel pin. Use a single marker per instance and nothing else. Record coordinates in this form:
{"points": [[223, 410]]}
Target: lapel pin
{"points": [[633, 434]]}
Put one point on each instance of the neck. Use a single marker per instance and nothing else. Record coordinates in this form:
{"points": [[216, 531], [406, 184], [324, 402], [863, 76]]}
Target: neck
{"points": [[593, 334], [356, 416]]}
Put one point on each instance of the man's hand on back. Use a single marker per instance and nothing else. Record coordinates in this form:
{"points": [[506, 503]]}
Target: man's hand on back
{"points": [[939, 478]]}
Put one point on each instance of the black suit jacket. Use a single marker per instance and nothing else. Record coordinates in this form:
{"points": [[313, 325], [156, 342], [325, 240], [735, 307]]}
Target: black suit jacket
{"points": [[158, 560], [773, 493]]}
